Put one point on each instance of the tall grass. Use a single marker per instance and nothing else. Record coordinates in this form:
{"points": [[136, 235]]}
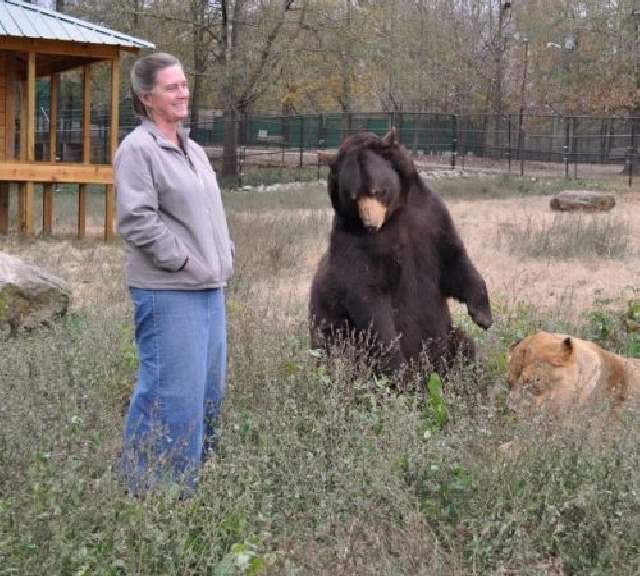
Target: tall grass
{"points": [[487, 187], [257, 175], [291, 196], [567, 236], [321, 468]]}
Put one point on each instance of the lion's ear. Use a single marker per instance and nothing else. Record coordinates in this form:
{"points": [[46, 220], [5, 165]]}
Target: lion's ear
{"points": [[567, 345], [390, 138], [514, 344]]}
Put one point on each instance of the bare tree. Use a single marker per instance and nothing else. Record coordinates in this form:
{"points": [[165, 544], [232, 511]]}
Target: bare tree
{"points": [[251, 50]]}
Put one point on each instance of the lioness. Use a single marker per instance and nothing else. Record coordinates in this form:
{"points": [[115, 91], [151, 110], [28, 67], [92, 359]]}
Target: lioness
{"points": [[559, 372]]}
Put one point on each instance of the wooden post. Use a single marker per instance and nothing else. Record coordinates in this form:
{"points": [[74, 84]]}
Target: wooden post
{"points": [[53, 116], [22, 143], [86, 147], [4, 208], [86, 113], [10, 108], [31, 107], [82, 210], [47, 209], [47, 193], [115, 127], [8, 132], [27, 136]]}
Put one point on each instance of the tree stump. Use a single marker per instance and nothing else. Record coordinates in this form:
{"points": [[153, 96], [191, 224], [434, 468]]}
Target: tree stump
{"points": [[582, 201]]}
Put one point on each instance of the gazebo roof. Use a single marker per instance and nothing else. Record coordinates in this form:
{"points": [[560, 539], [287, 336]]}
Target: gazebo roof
{"points": [[23, 20]]}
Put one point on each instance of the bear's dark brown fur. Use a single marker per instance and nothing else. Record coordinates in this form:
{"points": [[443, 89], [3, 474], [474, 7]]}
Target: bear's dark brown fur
{"points": [[392, 274]]}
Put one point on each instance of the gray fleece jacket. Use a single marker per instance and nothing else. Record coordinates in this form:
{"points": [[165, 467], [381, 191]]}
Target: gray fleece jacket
{"points": [[169, 208]]}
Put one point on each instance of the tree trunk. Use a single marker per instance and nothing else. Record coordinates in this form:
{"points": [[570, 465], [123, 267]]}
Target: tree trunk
{"points": [[136, 13], [199, 8]]}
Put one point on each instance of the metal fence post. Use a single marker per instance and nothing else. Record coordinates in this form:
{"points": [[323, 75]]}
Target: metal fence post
{"points": [[632, 151], [509, 141], [462, 143], [566, 149], [521, 141], [574, 145], [284, 134], [321, 142], [301, 162], [454, 145], [454, 141]]}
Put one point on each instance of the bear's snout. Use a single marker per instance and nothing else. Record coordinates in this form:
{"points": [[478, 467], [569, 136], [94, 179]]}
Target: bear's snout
{"points": [[372, 213]]}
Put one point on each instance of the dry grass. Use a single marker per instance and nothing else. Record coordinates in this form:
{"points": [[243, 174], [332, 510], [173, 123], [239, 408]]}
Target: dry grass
{"points": [[567, 237]]}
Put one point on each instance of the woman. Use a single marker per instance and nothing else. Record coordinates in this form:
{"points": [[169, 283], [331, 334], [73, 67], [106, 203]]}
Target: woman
{"points": [[179, 257]]}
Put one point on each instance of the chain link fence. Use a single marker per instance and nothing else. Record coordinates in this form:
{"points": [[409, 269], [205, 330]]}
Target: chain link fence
{"points": [[525, 144]]}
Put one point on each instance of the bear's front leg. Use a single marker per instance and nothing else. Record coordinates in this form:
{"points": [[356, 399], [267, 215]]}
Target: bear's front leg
{"points": [[461, 280], [370, 311]]}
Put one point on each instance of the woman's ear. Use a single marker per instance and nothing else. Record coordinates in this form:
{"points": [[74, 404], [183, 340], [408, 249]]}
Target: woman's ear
{"points": [[145, 98]]}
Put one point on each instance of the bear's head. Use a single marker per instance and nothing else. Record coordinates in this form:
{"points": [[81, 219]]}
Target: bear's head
{"points": [[369, 179]]}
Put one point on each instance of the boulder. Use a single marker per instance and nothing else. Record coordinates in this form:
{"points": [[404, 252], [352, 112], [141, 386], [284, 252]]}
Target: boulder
{"points": [[29, 295], [582, 201]]}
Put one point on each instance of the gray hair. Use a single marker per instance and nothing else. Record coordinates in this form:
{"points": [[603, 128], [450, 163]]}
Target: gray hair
{"points": [[144, 74]]}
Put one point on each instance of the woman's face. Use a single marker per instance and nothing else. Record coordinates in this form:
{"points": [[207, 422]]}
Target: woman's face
{"points": [[169, 99]]}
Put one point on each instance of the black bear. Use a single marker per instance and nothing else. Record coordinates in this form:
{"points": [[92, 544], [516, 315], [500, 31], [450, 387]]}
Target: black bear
{"points": [[394, 258]]}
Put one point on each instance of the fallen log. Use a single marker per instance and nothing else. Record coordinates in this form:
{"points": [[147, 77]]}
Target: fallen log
{"points": [[582, 201]]}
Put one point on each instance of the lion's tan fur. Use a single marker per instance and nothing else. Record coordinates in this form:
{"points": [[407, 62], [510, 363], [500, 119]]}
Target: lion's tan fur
{"points": [[561, 372]]}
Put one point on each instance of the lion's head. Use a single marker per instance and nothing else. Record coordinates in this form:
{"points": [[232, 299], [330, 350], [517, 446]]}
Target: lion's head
{"points": [[560, 371]]}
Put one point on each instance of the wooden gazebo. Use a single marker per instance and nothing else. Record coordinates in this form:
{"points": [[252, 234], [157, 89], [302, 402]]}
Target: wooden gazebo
{"points": [[34, 43]]}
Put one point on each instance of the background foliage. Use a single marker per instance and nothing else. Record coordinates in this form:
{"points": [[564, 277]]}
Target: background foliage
{"points": [[565, 56]]}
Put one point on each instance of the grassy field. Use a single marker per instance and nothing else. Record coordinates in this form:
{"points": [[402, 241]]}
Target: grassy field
{"points": [[321, 468]]}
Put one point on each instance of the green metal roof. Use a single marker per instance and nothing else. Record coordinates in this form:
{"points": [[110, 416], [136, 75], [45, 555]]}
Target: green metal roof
{"points": [[31, 21]]}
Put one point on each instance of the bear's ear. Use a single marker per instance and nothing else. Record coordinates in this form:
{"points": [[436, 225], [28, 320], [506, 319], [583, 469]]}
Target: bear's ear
{"points": [[326, 158], [390, 138]]}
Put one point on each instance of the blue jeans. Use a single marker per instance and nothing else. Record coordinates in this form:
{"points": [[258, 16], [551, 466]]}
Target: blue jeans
{"points": [[181, 341]]}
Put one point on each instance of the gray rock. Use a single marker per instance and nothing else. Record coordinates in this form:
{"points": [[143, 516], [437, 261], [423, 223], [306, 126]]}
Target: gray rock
{"points": [[29, 295]]}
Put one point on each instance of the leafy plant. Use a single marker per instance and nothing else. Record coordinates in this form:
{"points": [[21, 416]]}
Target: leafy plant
{"points": [[434, 414]]}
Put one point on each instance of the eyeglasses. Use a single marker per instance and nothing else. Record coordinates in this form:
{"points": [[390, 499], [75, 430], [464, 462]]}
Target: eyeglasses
{"points": [[173, 88]]}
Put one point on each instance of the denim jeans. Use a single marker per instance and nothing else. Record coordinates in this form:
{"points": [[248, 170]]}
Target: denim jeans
{"points": [[181, 342]]}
